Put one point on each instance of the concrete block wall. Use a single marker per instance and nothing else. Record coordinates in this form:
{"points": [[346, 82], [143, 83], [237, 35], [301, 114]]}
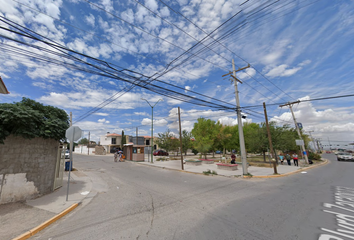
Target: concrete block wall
{"points": [[27, 168]]}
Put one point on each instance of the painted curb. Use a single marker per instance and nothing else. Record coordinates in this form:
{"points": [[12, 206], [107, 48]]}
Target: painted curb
{"points": [[292, 173], [42, 226]]}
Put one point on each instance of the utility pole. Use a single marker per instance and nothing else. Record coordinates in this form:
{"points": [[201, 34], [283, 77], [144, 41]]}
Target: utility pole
{"points": [[239, 118], [180, 136], [71, 119], [297, 128], [314, 144], [152, 127], [88, 144], [136, 134], [330, 149], [270, 139]]}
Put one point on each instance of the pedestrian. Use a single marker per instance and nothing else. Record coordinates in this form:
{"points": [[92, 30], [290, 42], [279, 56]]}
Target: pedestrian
{"points": [[233, 159], [120, 156], [116, 156], [281, 157], [296, 159], [288, 159]]}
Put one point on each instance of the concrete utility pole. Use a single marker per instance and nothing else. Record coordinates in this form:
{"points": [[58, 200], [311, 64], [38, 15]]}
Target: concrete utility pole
{"points": [[270, 139], [71, 119], [239, 118], [313, 142], [136, 134], [297, 128], [180, 135], [152, 127]]}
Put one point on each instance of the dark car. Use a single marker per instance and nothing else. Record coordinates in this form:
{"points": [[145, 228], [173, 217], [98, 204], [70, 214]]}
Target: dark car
{"points": [[160, 153]]}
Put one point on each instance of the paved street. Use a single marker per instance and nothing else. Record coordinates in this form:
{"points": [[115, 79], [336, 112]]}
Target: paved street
{"points": [[134, 201]]}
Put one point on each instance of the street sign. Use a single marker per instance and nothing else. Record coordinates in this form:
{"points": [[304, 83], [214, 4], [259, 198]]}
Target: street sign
{"points": [[299, 125], [299, 142], [73, 133]]}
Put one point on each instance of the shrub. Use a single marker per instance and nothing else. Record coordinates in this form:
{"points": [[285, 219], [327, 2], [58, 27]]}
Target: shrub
{"points": [[195, 151], [314, 156]]}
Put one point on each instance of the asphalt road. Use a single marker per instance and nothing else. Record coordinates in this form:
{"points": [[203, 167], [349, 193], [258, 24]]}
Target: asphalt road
{"points": [[141, 202]]}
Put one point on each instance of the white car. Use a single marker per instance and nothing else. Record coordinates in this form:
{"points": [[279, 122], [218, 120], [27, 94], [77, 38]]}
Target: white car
{"points": [[344, 156]]}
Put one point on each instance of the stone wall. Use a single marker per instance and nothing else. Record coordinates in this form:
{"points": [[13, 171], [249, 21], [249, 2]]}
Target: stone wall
{"points": [[100, 150], [27, 168]]}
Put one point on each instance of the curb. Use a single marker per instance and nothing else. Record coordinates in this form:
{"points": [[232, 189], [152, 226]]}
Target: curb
{"points": [[250, 177], [292, 173], [42, 226]]}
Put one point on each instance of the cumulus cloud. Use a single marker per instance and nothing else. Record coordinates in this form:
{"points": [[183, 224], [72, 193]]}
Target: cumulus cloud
{"points": [[324, 123], [284, 70], [157, 122], [248, 73], [90, 19], [103, 120]]}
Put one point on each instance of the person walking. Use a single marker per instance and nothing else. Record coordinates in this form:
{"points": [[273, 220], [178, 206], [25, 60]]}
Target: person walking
{"points": [[281, 157], [288, 159], [296, 159], [116, 156], [120, 156]]}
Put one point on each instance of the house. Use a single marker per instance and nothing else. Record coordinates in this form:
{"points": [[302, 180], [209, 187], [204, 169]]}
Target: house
{"points": [[3, 88], [111, 141]]}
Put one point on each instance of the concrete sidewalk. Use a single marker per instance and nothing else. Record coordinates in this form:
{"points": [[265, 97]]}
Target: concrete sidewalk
{"points": [[19, 218], [254, 171]]}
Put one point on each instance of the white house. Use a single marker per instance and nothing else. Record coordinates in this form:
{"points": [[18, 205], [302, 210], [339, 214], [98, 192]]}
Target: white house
{"points": [[110, 141]]}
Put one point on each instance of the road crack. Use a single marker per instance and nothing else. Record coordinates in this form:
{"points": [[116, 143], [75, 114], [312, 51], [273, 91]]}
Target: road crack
{"points": [[152, 214]]}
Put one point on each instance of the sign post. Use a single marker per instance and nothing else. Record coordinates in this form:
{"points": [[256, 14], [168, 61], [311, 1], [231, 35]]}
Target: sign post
{"points": [[73, 133]]}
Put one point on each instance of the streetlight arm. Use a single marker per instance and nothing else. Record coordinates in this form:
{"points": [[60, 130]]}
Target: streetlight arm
{"points": [[157, 102], [147, 102]]}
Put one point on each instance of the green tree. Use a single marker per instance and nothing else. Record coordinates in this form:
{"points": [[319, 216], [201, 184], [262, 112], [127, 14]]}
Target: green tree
{"points": [[83, 141], [30, 119], [166, 141], [123, 140], [223, 138], [204, 134], [186, 141]]}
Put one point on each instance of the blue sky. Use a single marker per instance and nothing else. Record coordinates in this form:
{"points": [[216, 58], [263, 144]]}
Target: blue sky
{"points": [[297, 50]]}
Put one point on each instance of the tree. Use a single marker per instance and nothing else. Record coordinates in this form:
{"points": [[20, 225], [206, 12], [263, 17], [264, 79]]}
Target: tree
{"points": [[83, 141], [30, 119], [223, 136], [186, 141], [203, 132], [123, 140], [166, 141]]}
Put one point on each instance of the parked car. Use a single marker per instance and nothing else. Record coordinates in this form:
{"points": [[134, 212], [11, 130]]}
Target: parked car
{"points": [[67, 153], [160, 153], [344, 156], [218, 152]]}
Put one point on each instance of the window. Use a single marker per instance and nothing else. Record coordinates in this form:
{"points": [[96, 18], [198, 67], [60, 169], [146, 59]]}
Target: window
{"points": [[114, 141], [148, 142]]}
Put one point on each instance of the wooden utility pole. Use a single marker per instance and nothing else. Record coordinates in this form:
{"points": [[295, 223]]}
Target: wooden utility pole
{"points": [[88, 144], [180, 136], [239, 117], [297, 128], [270, 139]]}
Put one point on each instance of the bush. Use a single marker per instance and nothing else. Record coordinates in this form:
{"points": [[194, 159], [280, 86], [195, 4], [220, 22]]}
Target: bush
{"points": [[195, 151], [314, 156]]}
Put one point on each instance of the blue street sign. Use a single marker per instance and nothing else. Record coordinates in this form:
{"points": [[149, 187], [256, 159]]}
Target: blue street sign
{"points": [[299, 125]]}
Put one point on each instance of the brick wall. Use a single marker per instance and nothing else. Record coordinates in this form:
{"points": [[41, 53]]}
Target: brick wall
{"points": [[27, 168]]}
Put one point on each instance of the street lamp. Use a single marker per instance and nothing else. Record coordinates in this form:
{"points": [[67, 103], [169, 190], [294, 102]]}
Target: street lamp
{"points": [[152, 126]]}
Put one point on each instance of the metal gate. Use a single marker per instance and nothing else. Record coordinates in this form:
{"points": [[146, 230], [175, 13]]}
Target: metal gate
{"points": [[59, 167]]}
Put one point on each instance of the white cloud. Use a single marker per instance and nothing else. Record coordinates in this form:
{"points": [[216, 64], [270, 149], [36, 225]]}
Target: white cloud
{"points": [[101, 114], [248, 73], [90, 19], [157, 122], [103, 120]]}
